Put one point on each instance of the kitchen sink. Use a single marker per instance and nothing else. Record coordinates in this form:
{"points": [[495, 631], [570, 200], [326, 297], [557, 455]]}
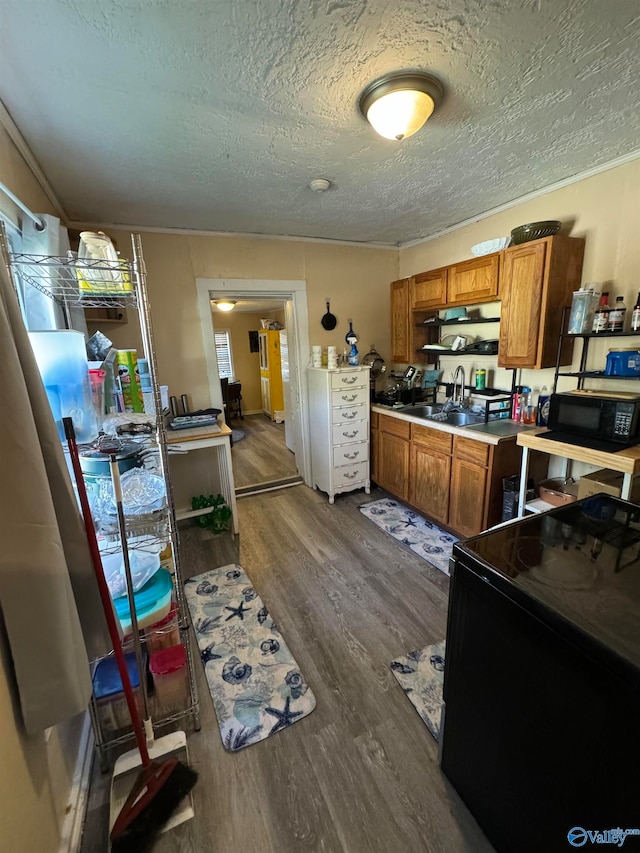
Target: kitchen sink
{"points": [[463, 419], [421, 411]]}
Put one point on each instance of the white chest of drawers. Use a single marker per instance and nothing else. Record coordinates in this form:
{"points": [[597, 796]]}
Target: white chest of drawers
{"points": [[339, 427]]}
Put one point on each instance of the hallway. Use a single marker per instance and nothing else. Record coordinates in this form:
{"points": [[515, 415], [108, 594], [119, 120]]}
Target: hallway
{"points": [[261, 456]]}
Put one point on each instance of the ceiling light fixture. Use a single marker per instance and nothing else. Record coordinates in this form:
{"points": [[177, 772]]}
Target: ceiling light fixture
{"points": [[398, 104], [224, 304]]}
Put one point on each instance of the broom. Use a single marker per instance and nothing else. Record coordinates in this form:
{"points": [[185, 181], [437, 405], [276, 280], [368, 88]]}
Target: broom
{"points": [[161, 785]]}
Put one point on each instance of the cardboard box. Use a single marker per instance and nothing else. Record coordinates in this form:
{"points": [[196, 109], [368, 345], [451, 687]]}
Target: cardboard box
{"points": [[609, 482]]}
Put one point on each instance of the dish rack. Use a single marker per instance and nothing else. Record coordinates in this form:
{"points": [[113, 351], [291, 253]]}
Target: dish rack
{"points": [[58, 278]]}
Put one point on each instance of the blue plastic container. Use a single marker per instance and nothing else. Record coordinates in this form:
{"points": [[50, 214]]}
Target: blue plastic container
{"points": [[623, 362], [153, 602]]}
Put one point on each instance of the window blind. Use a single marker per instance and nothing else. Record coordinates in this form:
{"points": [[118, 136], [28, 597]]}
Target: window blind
{"points": [[223, 353]]}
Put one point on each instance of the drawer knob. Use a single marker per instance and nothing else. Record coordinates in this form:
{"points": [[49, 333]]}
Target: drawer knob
{"points": [[350, 434], [352, 455], [349, 398], [351, 476], [349, 415], [349, 380]]}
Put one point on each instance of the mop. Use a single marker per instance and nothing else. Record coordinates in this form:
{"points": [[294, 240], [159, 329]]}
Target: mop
{"points": [[161, 785]]}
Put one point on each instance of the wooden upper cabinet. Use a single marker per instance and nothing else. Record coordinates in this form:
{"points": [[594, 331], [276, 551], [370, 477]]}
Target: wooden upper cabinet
{"points": [[536, 283], [474, 281], [400, 321], [429, 289]]}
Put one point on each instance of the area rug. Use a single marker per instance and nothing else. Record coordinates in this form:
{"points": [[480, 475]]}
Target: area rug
{"points": [[256, 685], [237, 435], [421, 676], [424, 537]]}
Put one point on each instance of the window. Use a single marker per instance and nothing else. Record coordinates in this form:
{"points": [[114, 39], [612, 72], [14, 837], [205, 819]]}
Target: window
{"points": [[223, 353]]}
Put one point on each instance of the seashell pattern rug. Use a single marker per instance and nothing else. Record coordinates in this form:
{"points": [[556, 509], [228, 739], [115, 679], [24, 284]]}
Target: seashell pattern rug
{"points": [[424, 537], [256, 685], [421, 676]]}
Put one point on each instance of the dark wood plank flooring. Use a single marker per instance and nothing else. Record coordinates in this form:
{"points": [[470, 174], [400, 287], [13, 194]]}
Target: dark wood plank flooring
{"points": [[261, 456], [361, 772]]}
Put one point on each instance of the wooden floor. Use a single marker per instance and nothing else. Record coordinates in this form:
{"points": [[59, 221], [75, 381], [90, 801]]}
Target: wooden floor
{"points": [[261, 456], [361, 772]]}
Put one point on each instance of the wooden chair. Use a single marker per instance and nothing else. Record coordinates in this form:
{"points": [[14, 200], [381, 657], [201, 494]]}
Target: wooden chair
{"points": [[234, 400]]}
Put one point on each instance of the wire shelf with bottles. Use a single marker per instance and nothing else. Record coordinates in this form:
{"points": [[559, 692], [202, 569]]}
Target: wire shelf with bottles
{"points": [[70, 281], [582, 373]]}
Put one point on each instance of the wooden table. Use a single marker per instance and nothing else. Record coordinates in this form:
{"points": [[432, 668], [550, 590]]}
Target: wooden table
{"points": [[626, 462], [199, 438]]}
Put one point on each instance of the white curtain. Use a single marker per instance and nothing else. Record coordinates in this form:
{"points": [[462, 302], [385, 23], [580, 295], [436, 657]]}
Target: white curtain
{"points": [[49, 600]]}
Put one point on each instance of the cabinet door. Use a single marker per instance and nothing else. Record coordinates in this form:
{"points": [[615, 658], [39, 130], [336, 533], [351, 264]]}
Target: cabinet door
{"points": [[467, 501], [429, 482], [393, 464], [400, 315], [429, 289], [373, 461], [474, 281], [265, 390], [520, 313], [264, 350]]}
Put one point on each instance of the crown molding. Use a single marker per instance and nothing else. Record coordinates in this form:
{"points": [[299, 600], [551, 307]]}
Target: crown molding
{"points": [[565, 182], [27, 155]]}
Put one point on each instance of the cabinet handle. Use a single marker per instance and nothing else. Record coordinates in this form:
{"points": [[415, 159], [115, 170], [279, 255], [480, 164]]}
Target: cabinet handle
{"points": [[351, 455], [350, 380], [349, 398], [351, 476], [348, 416], [351, 434]]}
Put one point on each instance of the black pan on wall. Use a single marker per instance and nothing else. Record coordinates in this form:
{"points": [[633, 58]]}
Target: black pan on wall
{"points": [[329, 321]]}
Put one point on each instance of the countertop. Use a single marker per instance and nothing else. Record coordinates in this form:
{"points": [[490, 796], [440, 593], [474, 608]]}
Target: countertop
{"points": [[625, 461], [503, 429]]}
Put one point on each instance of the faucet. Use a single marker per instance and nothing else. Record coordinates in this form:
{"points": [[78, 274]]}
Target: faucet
{"points": [[459, 375]]}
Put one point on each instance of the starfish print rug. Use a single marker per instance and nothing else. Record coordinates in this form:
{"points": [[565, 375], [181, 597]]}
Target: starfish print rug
{"points": [[256, 685], [421, 676], [424, 537]]}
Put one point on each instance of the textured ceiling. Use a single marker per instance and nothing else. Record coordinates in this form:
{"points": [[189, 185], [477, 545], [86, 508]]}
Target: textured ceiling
{"points": [[215, 114]]}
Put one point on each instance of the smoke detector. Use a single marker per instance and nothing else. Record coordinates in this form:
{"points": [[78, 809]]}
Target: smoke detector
{"points": [[320, 185]]}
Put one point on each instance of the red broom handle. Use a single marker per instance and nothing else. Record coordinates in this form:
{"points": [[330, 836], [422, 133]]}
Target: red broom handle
{"points": [[105, 595]]}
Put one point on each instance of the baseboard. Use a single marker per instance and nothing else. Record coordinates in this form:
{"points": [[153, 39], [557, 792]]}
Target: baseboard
{"points": [[258, 488], [71, 834]]}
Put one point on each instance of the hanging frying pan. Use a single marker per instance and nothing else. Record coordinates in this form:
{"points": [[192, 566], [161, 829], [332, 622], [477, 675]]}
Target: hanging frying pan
{"points": [[329, 321]]}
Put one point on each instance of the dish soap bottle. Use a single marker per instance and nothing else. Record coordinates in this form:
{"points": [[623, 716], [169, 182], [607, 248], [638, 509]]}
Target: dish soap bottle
{"points": [[352, 339]]}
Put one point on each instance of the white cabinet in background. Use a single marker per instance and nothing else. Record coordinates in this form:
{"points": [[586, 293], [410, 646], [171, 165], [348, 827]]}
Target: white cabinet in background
{"points": [[339, 426]]}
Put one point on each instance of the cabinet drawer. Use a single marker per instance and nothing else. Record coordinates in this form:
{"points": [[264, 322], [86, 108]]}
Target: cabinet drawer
{"points": [[348, 454], [348, 474], [432, 438], [346, 396], [353, 431], [395, 426], [473, 451], [348, 414], [349, 379]]}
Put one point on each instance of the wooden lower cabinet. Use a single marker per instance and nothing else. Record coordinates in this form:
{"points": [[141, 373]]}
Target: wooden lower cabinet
{"points": [[468, 497], [373, 462], [393, 456], [454, 480]]}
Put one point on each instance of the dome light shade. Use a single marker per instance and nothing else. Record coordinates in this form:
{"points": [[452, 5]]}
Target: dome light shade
{"points": [[224, 304], [399, 104]]}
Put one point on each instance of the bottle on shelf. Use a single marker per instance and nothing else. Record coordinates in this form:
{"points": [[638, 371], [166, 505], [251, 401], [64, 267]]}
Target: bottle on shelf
{"points": [[617, 316], [635, 316], [529, 411], [481, 379], [542, 413], [601, 317]]}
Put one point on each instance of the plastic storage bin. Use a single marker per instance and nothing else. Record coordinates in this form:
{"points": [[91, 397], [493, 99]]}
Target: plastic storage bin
{"points": [[583, 308], [111, 705], [164, 634], [153, 602], [170, 677]]}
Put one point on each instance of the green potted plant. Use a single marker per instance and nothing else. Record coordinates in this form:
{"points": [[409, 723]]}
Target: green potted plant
{"points": [[219, 519]]}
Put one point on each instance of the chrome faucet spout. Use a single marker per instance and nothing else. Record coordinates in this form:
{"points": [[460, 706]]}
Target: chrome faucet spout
{"points": [[459, 376]]}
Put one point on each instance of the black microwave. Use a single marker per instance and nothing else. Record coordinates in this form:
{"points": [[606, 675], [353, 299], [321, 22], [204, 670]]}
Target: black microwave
{"points": [[597, 415]]}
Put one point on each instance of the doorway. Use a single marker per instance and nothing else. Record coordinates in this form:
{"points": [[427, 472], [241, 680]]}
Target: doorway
{"points": [[285, 440]]}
